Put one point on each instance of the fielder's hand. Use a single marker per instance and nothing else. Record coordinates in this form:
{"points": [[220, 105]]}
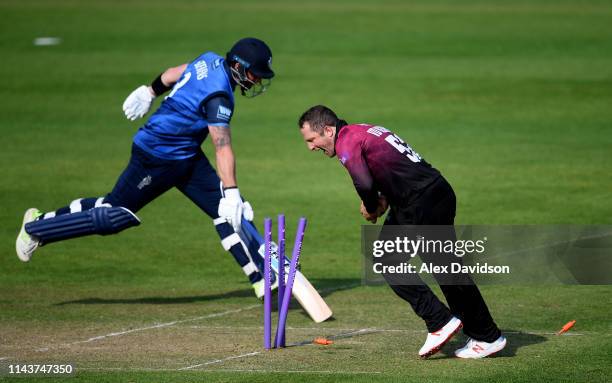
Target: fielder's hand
{"points": [[380, 210], [137, 104], [231, 208], [382, 206], [368, 216]]}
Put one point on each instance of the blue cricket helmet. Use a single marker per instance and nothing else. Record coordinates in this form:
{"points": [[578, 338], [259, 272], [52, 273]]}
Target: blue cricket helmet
{"points": [[255, 57]]}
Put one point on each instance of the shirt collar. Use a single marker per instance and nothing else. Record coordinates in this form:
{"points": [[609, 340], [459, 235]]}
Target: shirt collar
{"points": [[339, 127]]}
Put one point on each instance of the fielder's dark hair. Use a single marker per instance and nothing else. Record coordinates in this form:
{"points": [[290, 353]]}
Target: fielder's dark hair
{"points": [[320, 116]]}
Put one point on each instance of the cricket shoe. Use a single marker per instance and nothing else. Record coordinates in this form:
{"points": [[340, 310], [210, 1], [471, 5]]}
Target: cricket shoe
{"points": [[26, 244], [474, 349], [437, 339], [260, 288]]}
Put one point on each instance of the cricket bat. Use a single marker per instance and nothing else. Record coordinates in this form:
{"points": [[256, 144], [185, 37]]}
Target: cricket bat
{"points": [[303, 291]]}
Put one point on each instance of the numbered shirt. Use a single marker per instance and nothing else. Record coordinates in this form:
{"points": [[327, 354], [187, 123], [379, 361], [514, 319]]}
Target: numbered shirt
{"points": [[203, 96], [379, 161]]}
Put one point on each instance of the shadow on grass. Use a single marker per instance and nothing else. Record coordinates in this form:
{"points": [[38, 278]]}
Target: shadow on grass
{"points": [[329, 286], [325, 286], [515, 340], [161, 300]]}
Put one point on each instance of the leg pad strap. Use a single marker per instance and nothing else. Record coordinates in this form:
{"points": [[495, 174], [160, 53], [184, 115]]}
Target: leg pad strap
{"points": [[99, 220]]}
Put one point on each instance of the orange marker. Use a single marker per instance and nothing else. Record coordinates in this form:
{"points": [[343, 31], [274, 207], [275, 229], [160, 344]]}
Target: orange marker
{"points": [[322, 341], [567, 326]]}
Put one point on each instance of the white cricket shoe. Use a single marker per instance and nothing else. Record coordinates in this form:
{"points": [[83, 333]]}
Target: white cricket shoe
{"points": [[260, 288], [26, 244], [474, 349], [437, 339]]}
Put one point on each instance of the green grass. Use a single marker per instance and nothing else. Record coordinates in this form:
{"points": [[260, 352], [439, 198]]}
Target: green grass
{"points": [[510, 100]]}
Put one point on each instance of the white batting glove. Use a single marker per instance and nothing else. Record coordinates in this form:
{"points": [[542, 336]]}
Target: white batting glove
{"points": [[137, 104], [231, 208], [247, 211]]}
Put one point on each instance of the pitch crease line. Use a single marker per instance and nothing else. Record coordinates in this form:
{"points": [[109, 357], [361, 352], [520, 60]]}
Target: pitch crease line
{"points": [[373, 330], [161, 325], [152, 327], [168, 324], [256, 371], [362, 331], [220, 360], [326, 372], [172, 323]]}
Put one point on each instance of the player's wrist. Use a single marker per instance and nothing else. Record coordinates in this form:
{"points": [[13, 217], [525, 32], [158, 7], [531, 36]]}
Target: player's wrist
{"points": [[232, 192], [158, 87]]}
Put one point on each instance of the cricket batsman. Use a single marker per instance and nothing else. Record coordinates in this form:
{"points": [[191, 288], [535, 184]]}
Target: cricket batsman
{"points": [[166, 153], [388, 173]]}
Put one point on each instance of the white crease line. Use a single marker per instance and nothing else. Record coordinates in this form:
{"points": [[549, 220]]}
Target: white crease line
{"points": [[220, 360], [5, 358], [321, 329], [543, 333], [326, 372], [168, 324], [327, 329], [121, 369], [362, 331], [160, 325], [349, 334]]}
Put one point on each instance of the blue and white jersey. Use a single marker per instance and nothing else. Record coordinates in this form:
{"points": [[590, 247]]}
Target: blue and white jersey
{"points": [[203, 96]]}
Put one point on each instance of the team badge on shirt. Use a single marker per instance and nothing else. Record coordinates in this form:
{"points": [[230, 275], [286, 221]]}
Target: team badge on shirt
{"points": [[224, 113]]}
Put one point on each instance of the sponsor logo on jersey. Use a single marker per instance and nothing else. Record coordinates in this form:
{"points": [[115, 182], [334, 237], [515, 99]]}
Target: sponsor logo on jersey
{"points": [[201, 69], [145, 182], [377, 130], [224, 113]]}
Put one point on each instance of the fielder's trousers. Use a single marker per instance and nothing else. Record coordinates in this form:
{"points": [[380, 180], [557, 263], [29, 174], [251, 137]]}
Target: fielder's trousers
{"points": [[436, 205]]}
